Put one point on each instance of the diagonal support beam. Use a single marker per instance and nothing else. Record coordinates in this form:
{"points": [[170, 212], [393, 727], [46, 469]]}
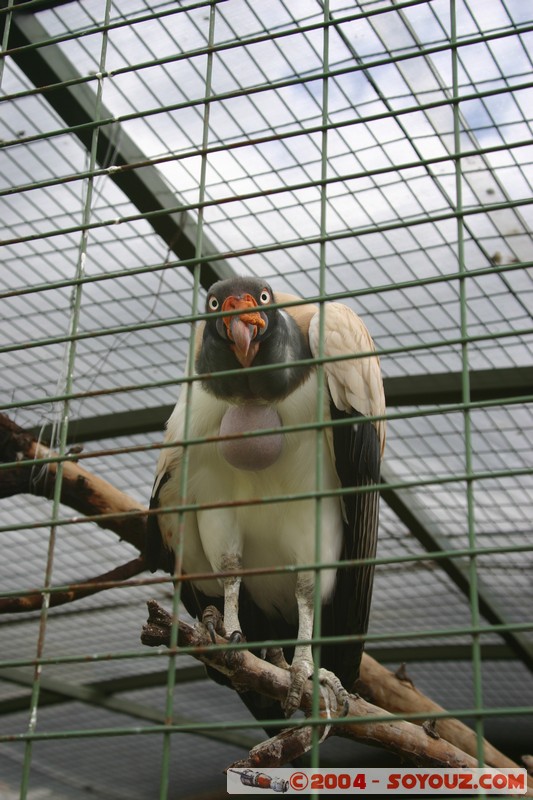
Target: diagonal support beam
{"points": [[56, 690], [143, 185], [405, 506]]}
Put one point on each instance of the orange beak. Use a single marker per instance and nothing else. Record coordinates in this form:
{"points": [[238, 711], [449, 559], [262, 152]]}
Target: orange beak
{"points": [[242, 328]]}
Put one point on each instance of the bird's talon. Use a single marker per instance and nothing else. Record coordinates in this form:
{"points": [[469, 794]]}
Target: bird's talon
{"points": [[211, 631], [339, 695], [213, 621], [232, 657], [276, 656], [299, 673], [292, 702]]}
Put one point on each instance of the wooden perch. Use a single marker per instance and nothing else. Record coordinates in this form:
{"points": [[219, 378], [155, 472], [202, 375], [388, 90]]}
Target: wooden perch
{"points": [[249, 672], [33, 600], [384, 688], [91, 495]]}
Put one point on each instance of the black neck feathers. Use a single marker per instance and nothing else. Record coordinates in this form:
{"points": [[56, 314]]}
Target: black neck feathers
{"points": [[280, 348]]}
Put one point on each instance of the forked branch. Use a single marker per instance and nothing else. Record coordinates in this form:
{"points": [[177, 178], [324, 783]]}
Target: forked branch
{"points": [[249, 672]]}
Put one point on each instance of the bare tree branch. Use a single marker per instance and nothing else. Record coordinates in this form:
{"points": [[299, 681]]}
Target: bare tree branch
{"points": [[400, 696], [80, 489], [249, 672], [33, 600], [291, 743]]}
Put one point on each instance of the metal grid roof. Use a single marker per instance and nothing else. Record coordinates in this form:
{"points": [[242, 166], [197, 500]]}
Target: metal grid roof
{"points": [[403, 249]]}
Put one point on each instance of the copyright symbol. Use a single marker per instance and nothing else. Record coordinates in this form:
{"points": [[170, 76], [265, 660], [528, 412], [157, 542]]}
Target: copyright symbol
{"points": [[298, 781]]}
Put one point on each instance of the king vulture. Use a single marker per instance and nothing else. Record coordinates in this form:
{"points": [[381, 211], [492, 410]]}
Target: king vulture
{"points": [[238, 471]]}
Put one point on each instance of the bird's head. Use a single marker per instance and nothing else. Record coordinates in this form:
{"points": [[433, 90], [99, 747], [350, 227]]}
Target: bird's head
{"points": [[247, 323], [241, 330]]}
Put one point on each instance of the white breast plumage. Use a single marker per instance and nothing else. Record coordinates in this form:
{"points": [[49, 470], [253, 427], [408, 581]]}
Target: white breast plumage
{"points": [[267, 534]]}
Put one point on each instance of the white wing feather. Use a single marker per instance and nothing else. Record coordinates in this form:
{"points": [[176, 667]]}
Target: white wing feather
{"points": [[355, 384]]}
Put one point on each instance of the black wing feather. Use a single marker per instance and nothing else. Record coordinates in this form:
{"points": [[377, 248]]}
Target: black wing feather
{"points": [[357, 457], [156, 554]]}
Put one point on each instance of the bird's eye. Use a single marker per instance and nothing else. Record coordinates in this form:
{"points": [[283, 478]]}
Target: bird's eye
{"points": [[265, 298], [213, 304]]}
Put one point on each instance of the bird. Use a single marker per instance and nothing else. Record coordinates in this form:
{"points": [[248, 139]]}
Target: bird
{"points": [[266, 360]]}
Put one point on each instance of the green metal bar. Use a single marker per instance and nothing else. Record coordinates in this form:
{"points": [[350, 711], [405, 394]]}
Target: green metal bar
{"points": [[463, 305], [70, 357], [444, 388], [245, 41], [229, 725], [400, 167], [52, 694], [444, 408], [81, 430], [184, 475], [320, 398], [409, 519], [36, 5], [385, 655], [483, 272], [30, 344], [201, 51], [407, 222]]}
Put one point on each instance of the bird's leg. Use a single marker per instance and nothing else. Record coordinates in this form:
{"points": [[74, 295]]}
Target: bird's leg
{"points": [[302, 663], [302, 666], [232, 584]]}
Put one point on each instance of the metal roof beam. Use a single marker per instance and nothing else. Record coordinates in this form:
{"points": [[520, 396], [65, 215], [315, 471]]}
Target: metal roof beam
{"points": [[446, 387], [32, 6], [144, 186], [412, 390]]}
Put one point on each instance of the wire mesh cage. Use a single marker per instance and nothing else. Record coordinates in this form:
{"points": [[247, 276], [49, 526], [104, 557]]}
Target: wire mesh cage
{"points": [[374, 153]]}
